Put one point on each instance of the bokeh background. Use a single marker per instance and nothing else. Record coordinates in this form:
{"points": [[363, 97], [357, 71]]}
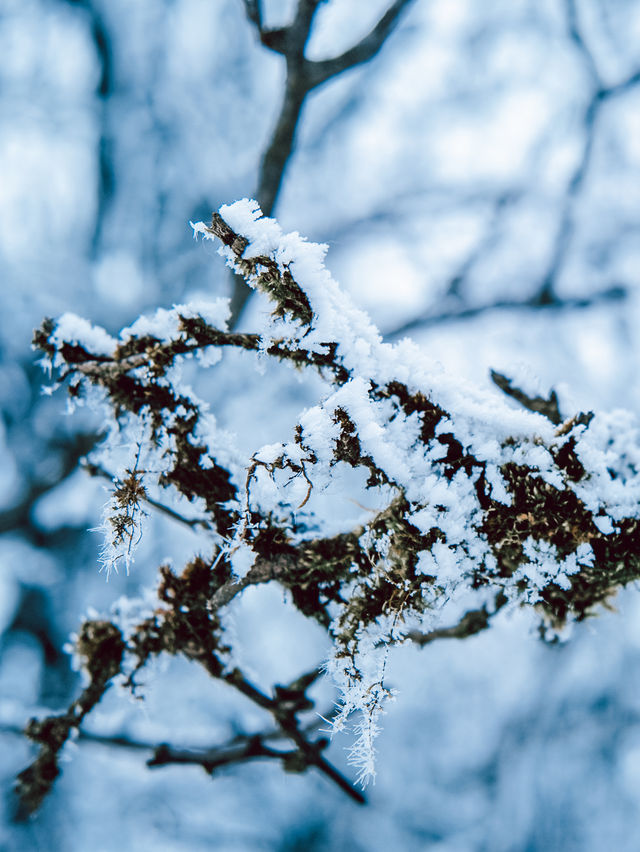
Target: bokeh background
{"points": [[478, 182]]}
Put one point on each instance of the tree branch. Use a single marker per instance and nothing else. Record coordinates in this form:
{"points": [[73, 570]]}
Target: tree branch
{"points": [[458, 313], [284, 706], [576, 36], [365, 50], [102, 41], [213, 758], [293, 760], [599, 95], [547, 517], [253, 9], [472, 622]]}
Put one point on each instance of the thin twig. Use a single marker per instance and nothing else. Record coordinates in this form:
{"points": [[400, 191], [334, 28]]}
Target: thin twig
{"points": [[253, 9], [363, 51], [472, 622], [193, 523], [303, 75], [457, 313], [284, 707], [599, 95]]}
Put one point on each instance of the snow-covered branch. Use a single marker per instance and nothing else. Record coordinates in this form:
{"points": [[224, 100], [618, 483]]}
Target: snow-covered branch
{"points": [[481, 504]]}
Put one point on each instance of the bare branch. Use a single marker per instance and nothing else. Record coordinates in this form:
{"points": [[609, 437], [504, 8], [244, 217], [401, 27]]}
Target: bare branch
{"points": [[622, 87], [284, 707], [362, 52], [575, 33], [293, 760], [599, 95], [501, 205], [472, 622], [253, 9], [300, 28], [459, 313], [213, 758], [193, 523], [117, 741], [291, 42]]}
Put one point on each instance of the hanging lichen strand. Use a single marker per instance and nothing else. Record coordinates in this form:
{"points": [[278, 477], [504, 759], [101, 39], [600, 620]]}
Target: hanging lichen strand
{"points": [[479, 499]]}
